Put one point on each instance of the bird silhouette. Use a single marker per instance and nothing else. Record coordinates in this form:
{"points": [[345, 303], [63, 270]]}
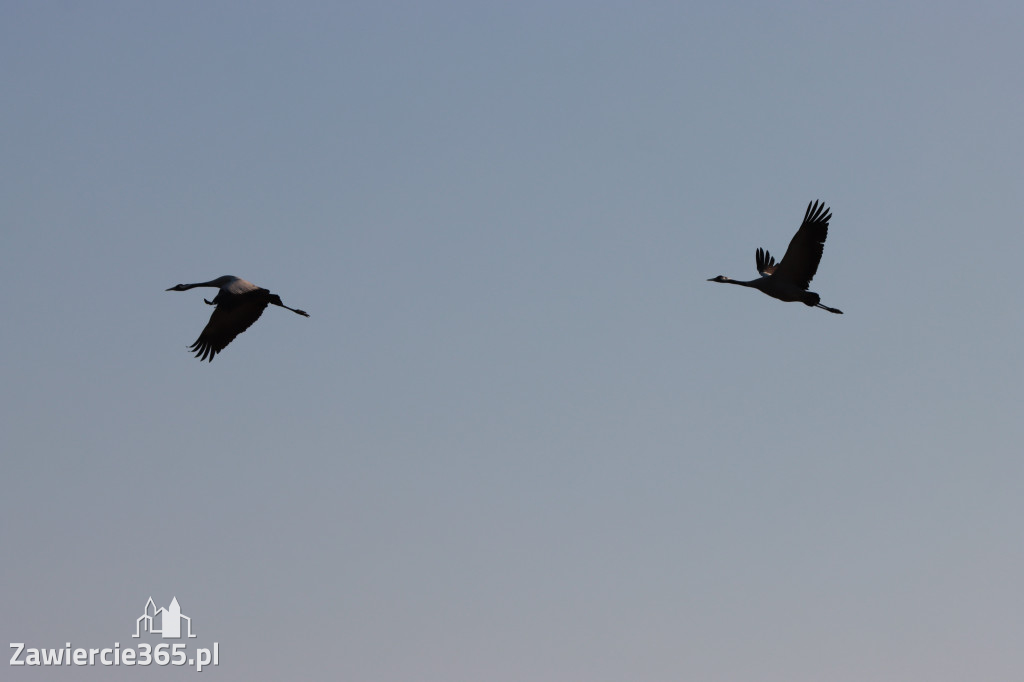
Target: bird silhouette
{"points": [[788, 280], [239, 304]]}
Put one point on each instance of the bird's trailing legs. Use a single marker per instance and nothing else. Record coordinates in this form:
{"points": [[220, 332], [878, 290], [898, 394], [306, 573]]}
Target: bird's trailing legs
{"points": [[276, 300], [831, 310], [305, 314]]}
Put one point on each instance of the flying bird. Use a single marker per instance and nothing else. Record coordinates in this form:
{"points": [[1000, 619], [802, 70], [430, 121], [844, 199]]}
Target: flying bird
{"points": [[788, 280], [239, 304]]}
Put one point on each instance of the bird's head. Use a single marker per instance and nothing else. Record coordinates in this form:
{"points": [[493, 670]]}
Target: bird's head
{"points": [[177, 287], [720, 278]]}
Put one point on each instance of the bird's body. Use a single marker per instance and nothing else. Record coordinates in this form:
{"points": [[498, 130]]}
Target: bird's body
{"points": [[239, 304], [788, 280]]}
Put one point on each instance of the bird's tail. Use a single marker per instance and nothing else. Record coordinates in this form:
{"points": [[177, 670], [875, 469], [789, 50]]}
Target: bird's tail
{"points": [[831, 310]]}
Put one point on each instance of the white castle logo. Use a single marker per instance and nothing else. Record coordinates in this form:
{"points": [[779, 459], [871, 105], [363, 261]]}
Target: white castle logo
{"points": [[165, 622]]}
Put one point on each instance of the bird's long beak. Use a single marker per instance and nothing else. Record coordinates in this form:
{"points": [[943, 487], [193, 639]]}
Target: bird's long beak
{"points": [[169, 289]]}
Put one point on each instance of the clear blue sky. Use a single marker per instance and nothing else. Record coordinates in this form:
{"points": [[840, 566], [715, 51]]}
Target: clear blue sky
{"points": [[521, 437]]}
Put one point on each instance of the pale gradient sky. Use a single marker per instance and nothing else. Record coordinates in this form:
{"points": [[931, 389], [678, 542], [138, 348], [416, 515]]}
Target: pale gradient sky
{"points": [[521, 438]]}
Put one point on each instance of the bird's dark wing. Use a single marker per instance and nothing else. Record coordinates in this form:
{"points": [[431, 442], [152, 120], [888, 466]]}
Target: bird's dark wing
{"points": [[228, 321], [765, 262], [804, 253]]}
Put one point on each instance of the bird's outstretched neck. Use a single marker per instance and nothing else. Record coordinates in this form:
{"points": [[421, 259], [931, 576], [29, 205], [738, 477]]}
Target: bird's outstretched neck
{"points": [[725, 280], [216, 283]]}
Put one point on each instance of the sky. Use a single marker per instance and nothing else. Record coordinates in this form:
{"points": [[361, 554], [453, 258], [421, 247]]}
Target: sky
{"points": [[520, 437]]}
